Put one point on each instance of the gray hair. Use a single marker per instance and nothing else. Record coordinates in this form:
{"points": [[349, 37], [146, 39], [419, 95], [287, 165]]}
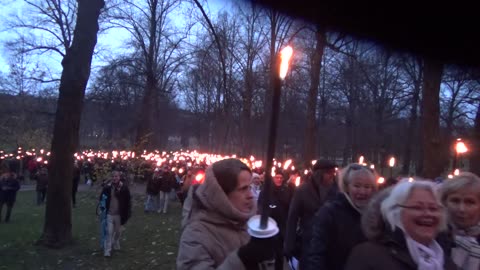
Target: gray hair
{"points": [[464, 180], [390, 209], [353, 171]]}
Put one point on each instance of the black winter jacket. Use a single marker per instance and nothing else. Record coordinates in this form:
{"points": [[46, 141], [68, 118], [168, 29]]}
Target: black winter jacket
{"points": [[305, 203], [336, 230], [279, 204], [153, 186], [9, 186], [124, 201], [167, 182]]}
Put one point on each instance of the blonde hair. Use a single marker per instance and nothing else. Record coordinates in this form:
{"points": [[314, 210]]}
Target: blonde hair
{"points": [[461, 181], [352, 171]]}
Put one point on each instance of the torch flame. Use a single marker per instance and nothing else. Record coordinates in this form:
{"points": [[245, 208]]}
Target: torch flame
{"points": [[381, 180], [199, 177], [450, 176], [360, 160], [297, 181], [287, 164], [285, 56], [460, 147], [456, 172], [392, 162]]}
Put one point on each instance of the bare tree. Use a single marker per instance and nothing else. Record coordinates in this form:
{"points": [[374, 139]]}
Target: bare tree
{"points": [[159, 44], [46, 27], [252, 42], [57, 230], [412, 67], [433, 163]]}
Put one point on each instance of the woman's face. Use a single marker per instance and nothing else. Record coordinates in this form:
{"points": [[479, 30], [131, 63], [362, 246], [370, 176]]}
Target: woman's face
{"points": [[242, 197], [464, 207], [421, 216], [360, 190]]}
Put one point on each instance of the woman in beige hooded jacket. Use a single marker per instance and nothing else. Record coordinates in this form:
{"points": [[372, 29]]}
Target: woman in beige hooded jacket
{"points": [[215, 228]]}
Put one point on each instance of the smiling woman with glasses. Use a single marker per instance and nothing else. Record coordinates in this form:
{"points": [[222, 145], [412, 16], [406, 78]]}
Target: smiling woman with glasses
{"points": [[404, 227]]}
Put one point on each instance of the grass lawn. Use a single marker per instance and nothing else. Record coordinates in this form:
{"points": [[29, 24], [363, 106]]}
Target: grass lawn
{"points": [[149, 242]]}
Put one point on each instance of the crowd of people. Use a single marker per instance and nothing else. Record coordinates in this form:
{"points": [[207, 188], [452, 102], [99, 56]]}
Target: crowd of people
{"points": [[336, 219], [327, 217]]}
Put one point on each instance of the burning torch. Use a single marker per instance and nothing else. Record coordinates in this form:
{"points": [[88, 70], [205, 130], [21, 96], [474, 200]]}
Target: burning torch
{"points": [[263, 226], [391, 164]]}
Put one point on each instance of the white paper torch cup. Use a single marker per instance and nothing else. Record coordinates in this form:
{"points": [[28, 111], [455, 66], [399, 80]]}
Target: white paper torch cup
{"points": [[255, 231]]}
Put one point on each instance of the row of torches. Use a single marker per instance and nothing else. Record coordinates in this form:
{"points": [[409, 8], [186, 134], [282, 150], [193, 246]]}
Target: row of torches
{"points": [[189, 157]]}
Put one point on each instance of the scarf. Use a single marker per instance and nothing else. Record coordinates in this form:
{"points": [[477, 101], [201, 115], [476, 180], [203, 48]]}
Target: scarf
{"points": [[466, 253], [426, 257], [351, 203]]}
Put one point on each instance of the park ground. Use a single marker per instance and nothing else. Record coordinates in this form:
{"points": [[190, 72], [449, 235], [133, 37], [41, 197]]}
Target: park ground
{"points": [[150, 241]]}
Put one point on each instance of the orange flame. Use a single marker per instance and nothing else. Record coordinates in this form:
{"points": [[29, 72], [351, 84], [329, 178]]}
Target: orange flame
{"points": [[381, 180], [460, 147], [297, 181], [392, 162], [199, 178], [287, 164], [285, 56], [360, 160]]}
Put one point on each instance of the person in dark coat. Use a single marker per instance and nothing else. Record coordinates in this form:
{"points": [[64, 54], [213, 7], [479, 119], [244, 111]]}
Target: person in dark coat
{"points": [[153, 190], [76, 180], [307, 199], [9, 186], [279, 205], [42, 184], [405, 227], [167, 183], [336, 227], [118, 207]]}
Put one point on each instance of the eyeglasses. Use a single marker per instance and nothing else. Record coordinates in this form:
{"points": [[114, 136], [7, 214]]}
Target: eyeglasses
{"points": [[422, 209]]}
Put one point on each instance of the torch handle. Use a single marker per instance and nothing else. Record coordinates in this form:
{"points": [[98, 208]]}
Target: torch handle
{"points": [[272, 137]]}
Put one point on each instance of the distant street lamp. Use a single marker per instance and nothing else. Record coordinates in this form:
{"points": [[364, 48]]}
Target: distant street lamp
{"points": [[460, 148]]}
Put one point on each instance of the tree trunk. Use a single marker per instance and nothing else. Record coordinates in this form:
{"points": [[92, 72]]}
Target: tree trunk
{"points": [[57, 230], [145, 129], [432, 161], [246, 126], [474, 153], [311, 130], [412, 125]]}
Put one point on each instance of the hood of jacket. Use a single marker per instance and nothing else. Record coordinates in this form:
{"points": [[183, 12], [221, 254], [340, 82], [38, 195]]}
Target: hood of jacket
{"points": [[212, 203], [373, 224]]}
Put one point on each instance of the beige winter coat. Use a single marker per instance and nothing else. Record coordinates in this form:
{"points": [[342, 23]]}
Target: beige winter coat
{"points": [[213, 232]]}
